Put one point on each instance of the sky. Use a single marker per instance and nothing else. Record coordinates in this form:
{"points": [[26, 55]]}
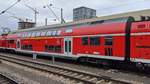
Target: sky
{"points": [[103, 7]]}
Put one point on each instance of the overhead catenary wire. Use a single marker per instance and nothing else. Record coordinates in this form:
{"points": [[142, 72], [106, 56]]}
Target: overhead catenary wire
{"points": [[16, 17], [53, 13], [10, 7]]}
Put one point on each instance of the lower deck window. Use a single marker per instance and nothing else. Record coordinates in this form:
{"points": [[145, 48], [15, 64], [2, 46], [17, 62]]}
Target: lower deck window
{"points": [[57, 48], [11, 41], [84, 40], [52, 48], [26, 47]]}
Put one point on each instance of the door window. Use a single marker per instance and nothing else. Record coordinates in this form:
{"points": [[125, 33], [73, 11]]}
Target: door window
{"points": [[68, 46], [108, 40], [108, 52]]}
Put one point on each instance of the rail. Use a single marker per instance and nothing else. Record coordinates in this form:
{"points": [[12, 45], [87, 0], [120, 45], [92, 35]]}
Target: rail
{"points": [[78, 75], [7, 80]]}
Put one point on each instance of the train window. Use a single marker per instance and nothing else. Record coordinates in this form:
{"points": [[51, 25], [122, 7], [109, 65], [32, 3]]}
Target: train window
{"points": [[53, 48], [22, 47], [26, 47], [38, 34], [33, 34], [43, 33], [66, 46], [29, 34], [95, 40], [54, 33], [58, 32], [11, 41], [25, 35], [84, 40], [29, 47], [58, 48], [49, 33], [22, 35], [108, 40], [46, 48], [69, 30]]}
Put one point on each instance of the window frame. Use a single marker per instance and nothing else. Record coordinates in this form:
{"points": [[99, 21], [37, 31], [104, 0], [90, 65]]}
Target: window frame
{"points": [[43, 33], [58, 32], [29, 34], [54, 33], [94, 40], [38, 34], [49, 33], [11, 41], [85, 41]]}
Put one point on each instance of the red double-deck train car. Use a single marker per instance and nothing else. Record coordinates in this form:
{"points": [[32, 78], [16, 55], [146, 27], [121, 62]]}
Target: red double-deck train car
{"points": [[109, 42]]}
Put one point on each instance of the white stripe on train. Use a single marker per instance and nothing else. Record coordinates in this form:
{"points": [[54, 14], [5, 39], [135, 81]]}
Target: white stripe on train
{"points": [[80, 55], [139, 34]]}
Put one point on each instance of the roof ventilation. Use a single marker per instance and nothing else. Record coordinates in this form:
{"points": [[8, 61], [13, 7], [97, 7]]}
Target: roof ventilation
{"points": [[145, 18]]}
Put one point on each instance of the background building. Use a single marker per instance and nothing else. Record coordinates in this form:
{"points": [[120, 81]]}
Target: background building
{"points": [[136, 14], [25, 25], [82, 13]]}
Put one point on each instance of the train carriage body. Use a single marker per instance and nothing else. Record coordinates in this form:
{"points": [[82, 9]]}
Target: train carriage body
{"points": [[120, 40], [140, 42]]}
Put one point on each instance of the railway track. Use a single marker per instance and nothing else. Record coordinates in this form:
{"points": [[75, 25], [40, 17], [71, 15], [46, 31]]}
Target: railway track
{"points": [[73, 74], [6, 80]]}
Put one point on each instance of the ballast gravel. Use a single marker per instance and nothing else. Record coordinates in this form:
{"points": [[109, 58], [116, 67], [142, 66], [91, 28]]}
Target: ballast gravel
{"points": [[27, 75]]}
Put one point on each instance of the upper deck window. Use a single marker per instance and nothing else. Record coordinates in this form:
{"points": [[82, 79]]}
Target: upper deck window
{"points": [[26, 34], [22, 35], [29, 34], [69, 30], [38, 34], [33, 34], [43, 33], [49, 33], [58, 32], [54, 33]]}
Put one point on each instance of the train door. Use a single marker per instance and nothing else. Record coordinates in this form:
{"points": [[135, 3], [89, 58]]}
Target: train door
{"points": [[108, 45], [68, 46], [18, 44]]}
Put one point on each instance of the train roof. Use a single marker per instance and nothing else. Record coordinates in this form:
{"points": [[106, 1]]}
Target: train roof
{"points": [[76, 23]]}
